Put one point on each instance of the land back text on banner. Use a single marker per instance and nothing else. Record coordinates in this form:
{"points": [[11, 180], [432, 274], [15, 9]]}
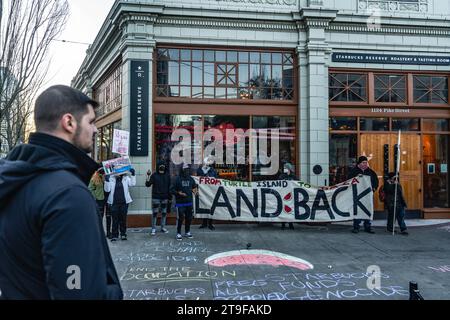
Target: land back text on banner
{"points": [[283, 201]]}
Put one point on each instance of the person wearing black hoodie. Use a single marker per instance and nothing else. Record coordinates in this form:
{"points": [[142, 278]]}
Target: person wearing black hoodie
{"points": [[52, 243], [362, 168], [183, 190], [160, 180]]}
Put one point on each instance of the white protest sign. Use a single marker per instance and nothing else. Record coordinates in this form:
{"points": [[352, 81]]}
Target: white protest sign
{"points": [[121, 142], [284, 201]]}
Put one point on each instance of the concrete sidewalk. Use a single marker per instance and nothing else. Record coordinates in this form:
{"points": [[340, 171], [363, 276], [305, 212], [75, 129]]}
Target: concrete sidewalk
{"points": [[334, 263]]}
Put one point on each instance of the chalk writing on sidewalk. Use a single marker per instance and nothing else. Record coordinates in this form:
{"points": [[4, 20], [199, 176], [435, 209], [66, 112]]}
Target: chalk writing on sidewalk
{"points": [[163, 293], [151, 257], [442, 269], [184, 274], [293, 286]]}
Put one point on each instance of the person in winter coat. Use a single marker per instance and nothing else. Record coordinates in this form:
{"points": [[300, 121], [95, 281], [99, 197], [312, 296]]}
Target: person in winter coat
{"points": [[362, 168], [207, 170], [160, 180], [96, 187], [119, 199], [389, 199], [183, 190], [52, 243], [288, 174]]}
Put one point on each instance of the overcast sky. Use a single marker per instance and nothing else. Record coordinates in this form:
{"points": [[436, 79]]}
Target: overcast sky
{"points": [[85, 20]]}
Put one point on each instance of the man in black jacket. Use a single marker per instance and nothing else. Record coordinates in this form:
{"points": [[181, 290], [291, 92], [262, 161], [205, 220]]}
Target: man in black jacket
{"points": [[51, 241], [391, 188], [160, 180], [184, 189], [362, 168]]}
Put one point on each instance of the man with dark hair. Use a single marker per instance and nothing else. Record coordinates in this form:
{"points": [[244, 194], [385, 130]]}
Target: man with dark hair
{"points": [[51, 241], [362, 168]]}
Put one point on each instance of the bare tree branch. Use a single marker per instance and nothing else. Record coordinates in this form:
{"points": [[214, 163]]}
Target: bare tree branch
{"points": [[27, 28]]}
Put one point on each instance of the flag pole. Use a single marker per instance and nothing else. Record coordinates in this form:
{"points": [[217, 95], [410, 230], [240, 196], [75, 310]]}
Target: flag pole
{"points": [[397, 171]]}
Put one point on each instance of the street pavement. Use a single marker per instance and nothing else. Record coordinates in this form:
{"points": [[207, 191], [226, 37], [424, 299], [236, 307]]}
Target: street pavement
{"points": [[335, 263]]}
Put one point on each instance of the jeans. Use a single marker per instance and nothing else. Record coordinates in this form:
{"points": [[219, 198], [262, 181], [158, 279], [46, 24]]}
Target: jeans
{"points": [[108, 220], [119, 217], [400, 216], [357, 222], [184, 213], [101, 207], [159, 206]]}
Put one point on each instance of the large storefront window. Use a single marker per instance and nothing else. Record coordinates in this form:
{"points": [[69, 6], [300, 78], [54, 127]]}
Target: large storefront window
{"points": [[239, 143], [429, 89], [435, 171], [390, 88], [343, 154], [225, 74], [108, 92], [104, 140], [348, 87], [286, 125]]}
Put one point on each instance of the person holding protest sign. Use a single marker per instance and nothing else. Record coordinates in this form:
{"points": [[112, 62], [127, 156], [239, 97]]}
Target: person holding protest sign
{"points": [[362, 168], [288, 174], [119, 199], [389, 189], [207, 170], [160, 180], [183, 189]]}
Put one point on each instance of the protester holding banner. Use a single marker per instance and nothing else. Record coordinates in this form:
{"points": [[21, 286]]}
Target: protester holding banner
{"points": [[160, 180], [119, 199], [362, 168], [207, 170], [183, 190], [389, 189], [288, 174]]}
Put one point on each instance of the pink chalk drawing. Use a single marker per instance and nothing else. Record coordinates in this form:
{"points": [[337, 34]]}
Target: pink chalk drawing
{"points": [[257, 257]]}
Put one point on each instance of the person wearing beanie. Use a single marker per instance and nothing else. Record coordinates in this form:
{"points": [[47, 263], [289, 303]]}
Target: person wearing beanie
{"points": [[362, 168]]}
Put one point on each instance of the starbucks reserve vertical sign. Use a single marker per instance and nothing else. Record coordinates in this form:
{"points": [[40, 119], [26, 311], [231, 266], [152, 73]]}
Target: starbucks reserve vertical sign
{"points": [[139, 105]]}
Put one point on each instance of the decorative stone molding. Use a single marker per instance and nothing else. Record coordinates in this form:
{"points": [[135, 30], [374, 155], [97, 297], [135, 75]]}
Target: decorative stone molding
{"points": [[386, 29], [136, 18], [419, 6], [226, 24], [263, 2]]}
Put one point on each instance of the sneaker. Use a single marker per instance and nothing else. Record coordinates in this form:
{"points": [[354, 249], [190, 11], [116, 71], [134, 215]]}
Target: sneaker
{"points": [[109, 236], [179, 237], [355, 231], [113, 239], [153, 233], [164, 230], [211, 227], [123, 238], [369, 231], [404, 232], [188, 235]]}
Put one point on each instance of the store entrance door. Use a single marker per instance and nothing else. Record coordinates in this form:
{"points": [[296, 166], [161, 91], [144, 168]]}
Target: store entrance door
{"points": [[380, 147]]}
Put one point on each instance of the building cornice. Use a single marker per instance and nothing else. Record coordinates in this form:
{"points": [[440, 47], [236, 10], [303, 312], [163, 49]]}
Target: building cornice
{"points": [[389, 29], [225, 23]]}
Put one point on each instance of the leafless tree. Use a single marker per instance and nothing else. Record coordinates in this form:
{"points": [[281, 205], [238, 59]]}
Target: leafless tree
{"points": [[27, 29]]}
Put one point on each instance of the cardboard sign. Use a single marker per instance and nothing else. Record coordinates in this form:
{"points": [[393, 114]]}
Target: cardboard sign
{"points": [[117, 166], [121, 142]]}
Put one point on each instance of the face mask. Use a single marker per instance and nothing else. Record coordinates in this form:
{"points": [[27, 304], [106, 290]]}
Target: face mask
{"points": [[162, 169], [286, 171]]}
